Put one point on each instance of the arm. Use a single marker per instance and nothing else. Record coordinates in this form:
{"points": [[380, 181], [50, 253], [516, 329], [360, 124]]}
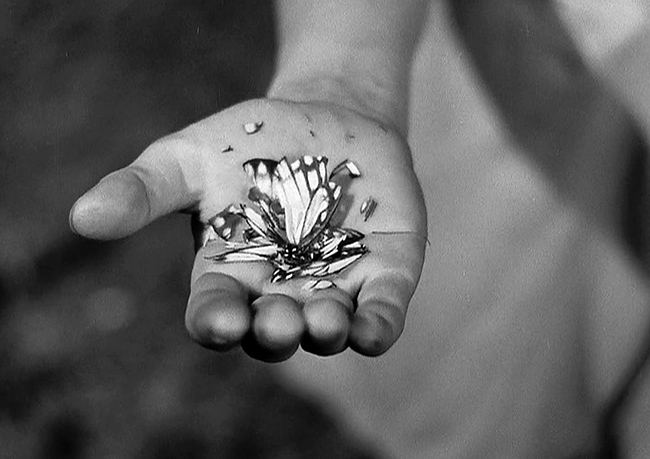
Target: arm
{"points": [[357, 54]]}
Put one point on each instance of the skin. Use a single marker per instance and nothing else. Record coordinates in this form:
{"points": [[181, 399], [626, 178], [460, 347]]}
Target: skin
{"points": [[330, 107]]}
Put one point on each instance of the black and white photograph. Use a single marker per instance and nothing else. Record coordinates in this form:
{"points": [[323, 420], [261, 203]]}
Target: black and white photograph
{"points": [[324, 229]]}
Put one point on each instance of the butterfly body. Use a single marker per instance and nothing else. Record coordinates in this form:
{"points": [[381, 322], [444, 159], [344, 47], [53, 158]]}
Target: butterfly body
{"points": [[291, 225]]}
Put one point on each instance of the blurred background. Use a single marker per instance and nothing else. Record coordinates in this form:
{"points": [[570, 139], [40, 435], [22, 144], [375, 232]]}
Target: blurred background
{"points": [[95, 361]]}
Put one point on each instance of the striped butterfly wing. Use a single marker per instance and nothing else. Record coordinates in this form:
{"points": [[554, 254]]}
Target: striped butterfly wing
{"points": [[337, 249], [321, 268], [246, 252], [307, 197], [294, 205], [320, 211], [262, 173]]}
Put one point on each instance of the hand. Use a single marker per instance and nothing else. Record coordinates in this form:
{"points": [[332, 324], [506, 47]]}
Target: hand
{"points": [[199, 170]]}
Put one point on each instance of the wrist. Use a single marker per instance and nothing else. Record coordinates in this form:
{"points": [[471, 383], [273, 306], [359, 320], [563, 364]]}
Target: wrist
{"points": [[367, 85]]}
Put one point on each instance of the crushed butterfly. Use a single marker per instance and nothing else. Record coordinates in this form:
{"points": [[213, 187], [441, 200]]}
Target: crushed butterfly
{"points": [[290, 224]]}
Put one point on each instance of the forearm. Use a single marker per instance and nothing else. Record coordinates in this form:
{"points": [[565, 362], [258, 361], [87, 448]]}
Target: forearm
{"points": [[356, 53]]}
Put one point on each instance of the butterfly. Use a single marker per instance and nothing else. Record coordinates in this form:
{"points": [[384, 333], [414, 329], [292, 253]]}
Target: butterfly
{"points": [[290, 224]]}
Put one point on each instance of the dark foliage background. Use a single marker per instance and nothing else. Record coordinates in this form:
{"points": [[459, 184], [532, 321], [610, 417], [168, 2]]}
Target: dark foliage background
{"points": [[94, 358]]}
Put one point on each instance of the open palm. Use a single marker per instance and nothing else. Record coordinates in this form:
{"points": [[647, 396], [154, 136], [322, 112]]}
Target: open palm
{"points": [[199, 170]]}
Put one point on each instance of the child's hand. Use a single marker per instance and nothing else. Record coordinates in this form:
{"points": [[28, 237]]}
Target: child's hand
{"points": [[200, 170]]}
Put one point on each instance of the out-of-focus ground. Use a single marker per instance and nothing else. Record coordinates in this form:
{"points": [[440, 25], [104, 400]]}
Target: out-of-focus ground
{"points": [[94, 358]]}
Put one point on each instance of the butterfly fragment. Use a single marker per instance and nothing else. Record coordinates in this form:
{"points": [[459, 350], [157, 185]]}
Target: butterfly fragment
{"points": [[290, 221], [223, 224], [368, 208], [319, 284], [253, 128], [349, 166]]}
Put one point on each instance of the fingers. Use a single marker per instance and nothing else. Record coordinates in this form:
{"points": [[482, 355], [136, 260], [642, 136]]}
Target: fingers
{"points": [[217, 316], [327, 318], [269, 326], [273, 327], [277, 328], [165, 178], [332, 324], [223, 313]]}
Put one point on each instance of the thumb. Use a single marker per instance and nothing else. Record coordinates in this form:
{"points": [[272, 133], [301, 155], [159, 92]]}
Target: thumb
{"points": [[164, 179]]}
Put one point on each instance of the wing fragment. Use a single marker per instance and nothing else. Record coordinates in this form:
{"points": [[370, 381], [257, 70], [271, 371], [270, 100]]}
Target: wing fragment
{"points": [[246, 252], [290, 224]]}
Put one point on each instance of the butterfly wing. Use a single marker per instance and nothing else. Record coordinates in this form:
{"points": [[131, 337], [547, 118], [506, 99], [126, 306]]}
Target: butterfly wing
{"points": [[295, 203], [337, 248], [255, 221], [321, 268], [320, 211], [305, 199], [339, 264], [246, 252], [261, 173], [294, 194], [349, 166], [306, 196]]}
